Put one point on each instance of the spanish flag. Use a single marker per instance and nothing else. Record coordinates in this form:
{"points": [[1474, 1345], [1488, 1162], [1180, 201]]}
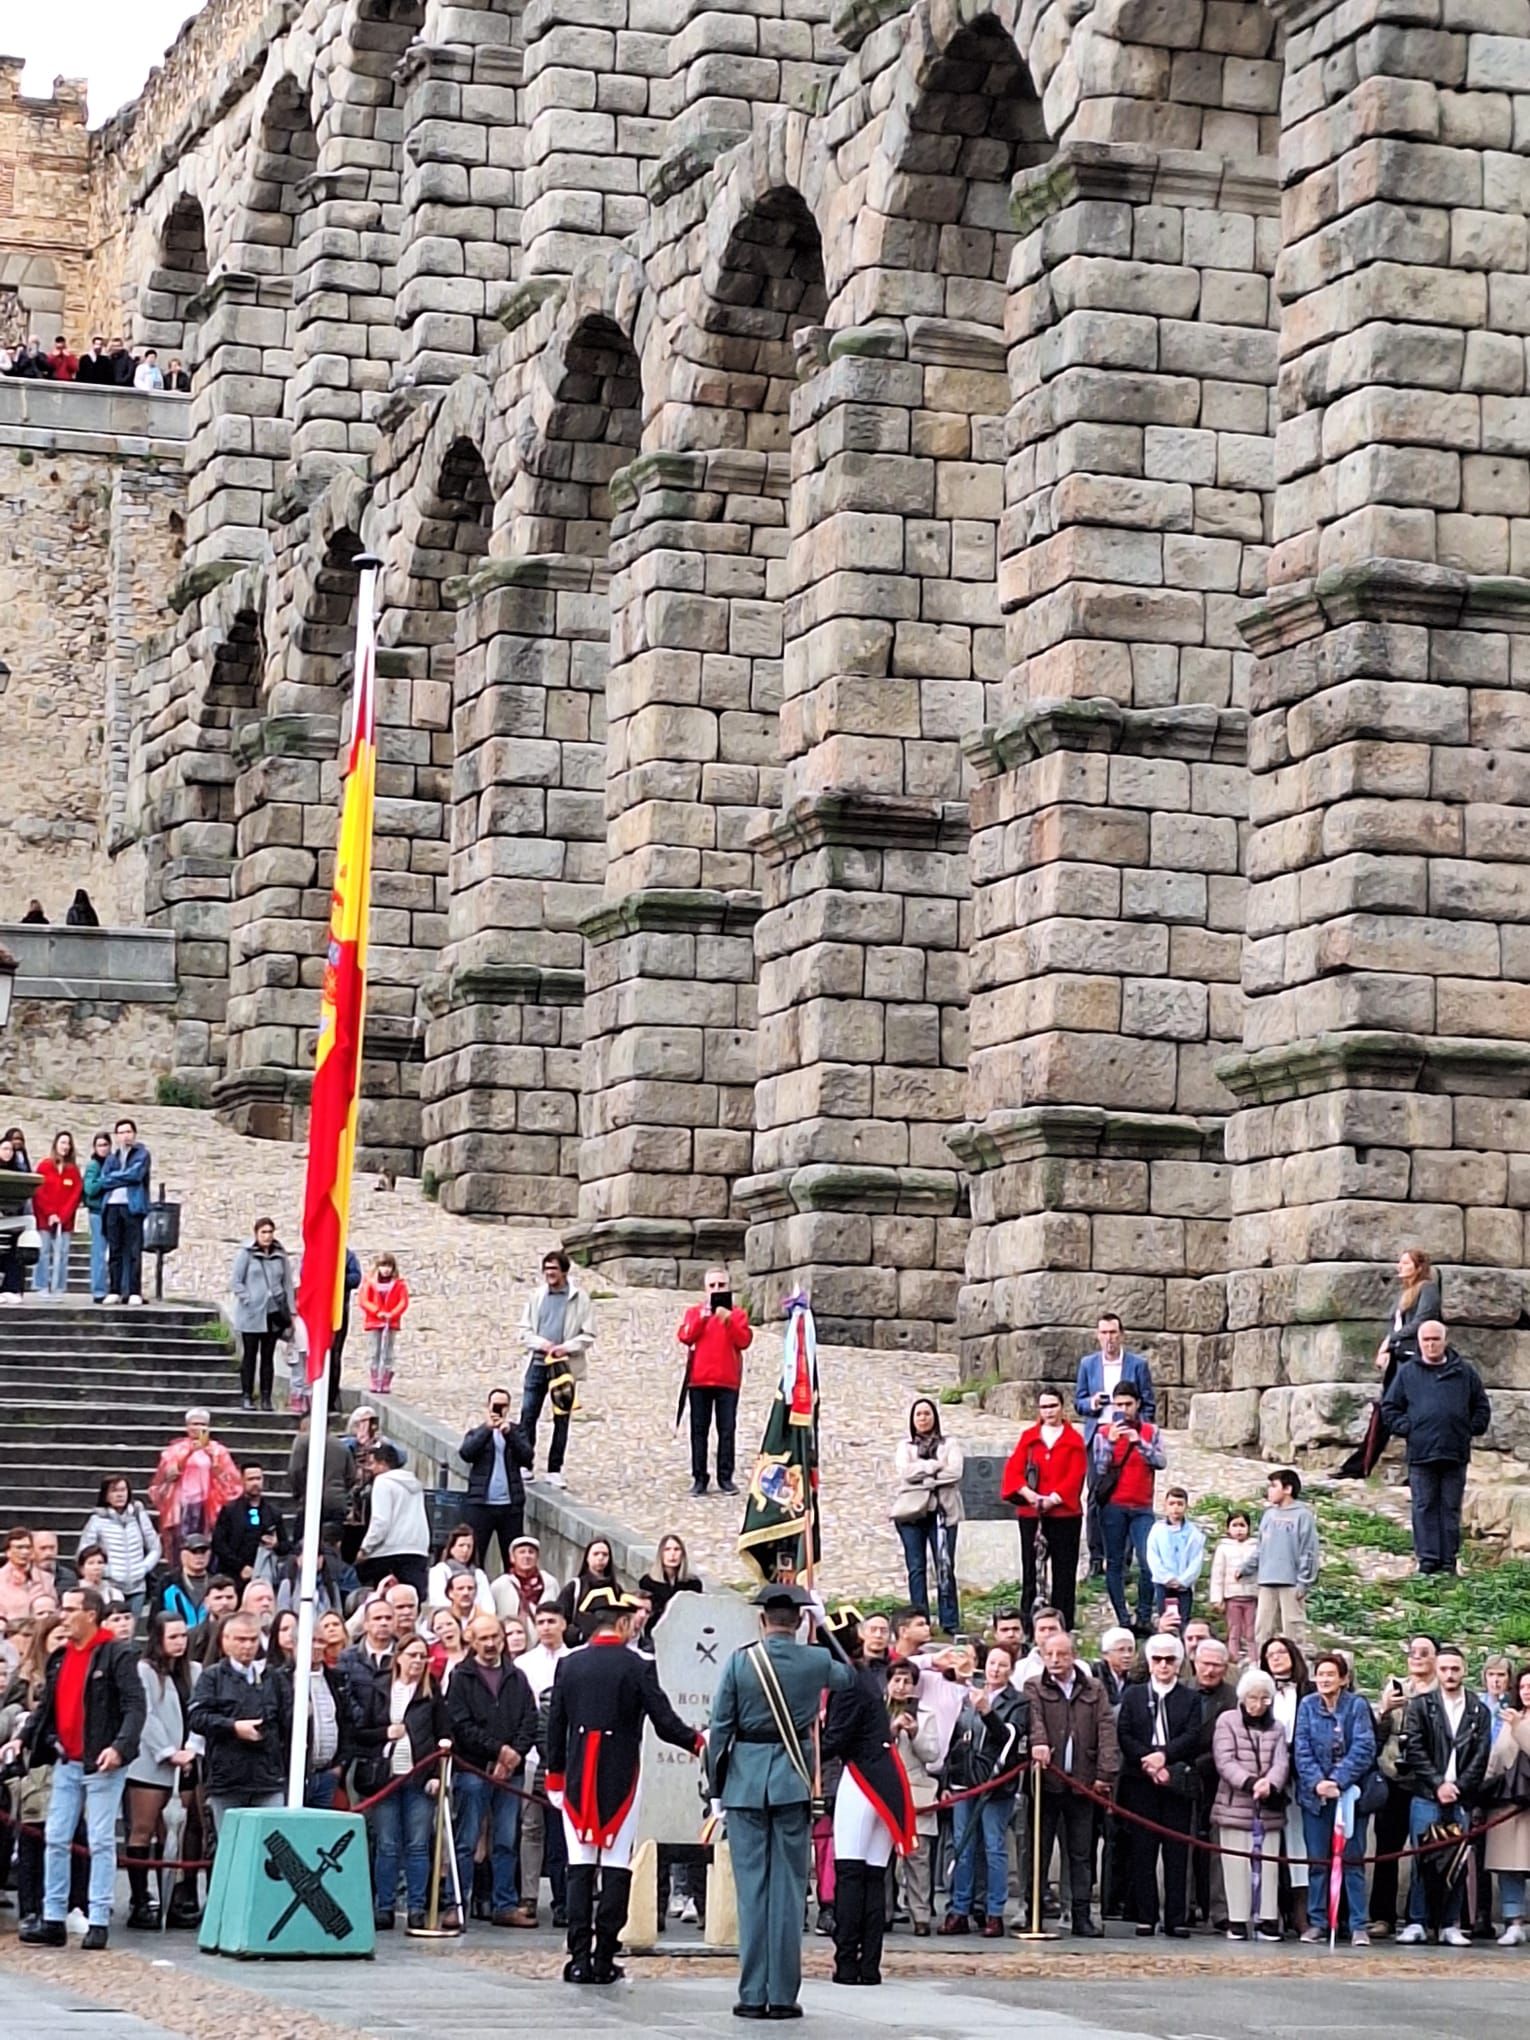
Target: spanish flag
{"points": [[337, 1061]]}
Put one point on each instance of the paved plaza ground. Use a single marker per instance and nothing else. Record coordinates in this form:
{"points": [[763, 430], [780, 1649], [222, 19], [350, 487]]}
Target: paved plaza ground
{"points": [[414, 1992]]}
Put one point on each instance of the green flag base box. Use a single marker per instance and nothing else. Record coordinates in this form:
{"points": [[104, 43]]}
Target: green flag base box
{"points": [[289, 1886]]}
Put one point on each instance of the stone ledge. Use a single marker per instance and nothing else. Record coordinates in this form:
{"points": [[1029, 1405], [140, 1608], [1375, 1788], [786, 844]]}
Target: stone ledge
{"points": [[288, 736], [94, 418], [1388, 591], [1201, 734], [1136, 174], [513, 984], [673, 912], [863, 821], [1083, 1131], [1378, 1061], [564, 572], [837, 1186], [99, 966]]}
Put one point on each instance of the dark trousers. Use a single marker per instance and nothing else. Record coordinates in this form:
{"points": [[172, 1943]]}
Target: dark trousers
{"points": [[1092, 1519], [1063, 1535], [337, 1353], [259, 1350], [1071, 1815], [707, 1403], [533, 1396], [408, 1566], [504, 1520], [1437, 1487], [124, 1250], [1170, 1810], [1391, 1834]]}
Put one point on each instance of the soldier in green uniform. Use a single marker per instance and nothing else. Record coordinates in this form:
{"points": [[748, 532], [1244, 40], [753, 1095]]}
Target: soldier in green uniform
{"points": [[760, 1754]]}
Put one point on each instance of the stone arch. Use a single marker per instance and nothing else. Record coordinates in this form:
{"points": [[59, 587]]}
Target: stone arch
{"points": [[167, 312], [284, 154], [31, 299], [528, 833]]}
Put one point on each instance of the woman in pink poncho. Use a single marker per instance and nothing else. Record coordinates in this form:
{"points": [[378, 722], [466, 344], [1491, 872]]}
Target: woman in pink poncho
{"points": [[195, 1477]]}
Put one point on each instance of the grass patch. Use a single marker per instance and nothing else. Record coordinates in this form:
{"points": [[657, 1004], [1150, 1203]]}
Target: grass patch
{"points": [[178, 1091]]}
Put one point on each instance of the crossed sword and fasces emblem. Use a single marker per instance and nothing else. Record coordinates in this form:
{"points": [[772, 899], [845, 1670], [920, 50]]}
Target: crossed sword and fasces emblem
{"points": [[306, 1882]]}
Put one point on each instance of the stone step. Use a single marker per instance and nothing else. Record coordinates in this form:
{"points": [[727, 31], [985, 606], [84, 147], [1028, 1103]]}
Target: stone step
{"points": [[154, 1388]]}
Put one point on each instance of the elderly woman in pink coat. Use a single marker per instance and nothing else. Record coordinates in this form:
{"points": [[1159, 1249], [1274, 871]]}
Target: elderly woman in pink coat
{"points": [[195, 1477]]}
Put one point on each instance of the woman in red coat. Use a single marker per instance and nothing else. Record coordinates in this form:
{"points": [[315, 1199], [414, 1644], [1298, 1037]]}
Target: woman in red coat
{"points": [[1044, 1481], [54, 1204]]}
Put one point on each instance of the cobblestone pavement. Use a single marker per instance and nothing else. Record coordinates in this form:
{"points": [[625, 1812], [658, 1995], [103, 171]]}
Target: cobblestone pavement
{"points": [[1206, 1992], [469, 1279]]}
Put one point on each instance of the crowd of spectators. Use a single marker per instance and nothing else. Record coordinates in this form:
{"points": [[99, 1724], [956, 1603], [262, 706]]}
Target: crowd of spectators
{"points": [[112, 362]]}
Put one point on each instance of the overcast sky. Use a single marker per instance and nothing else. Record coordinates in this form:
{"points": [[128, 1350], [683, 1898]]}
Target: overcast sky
{"points": [[114, 44]]}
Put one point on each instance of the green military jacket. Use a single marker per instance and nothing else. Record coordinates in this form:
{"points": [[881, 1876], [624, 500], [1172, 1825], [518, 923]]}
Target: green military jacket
{"points": [[761, 1773]]}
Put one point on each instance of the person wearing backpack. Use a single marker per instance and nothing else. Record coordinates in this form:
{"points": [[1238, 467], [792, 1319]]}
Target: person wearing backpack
{"points": [[1127, 1454]]}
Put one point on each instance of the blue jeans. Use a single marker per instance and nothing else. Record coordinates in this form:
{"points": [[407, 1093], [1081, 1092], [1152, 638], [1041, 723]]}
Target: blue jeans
{"points": [[97, 1255], [1123, 1527], [471, 1799], [1423, 1813], [99, 1793], [1511, 1889], [320, 1789], [1317, 1830], [922, 1542], [990, 1816], [402, 1827], [52, 1270]]}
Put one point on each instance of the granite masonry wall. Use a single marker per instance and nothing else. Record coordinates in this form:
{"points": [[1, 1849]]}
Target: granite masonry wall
{"points": [[952, 644]]}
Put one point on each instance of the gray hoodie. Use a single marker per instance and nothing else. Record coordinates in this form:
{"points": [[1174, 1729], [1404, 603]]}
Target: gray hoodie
{"points": [[1289, 1553], [399, 1526]]}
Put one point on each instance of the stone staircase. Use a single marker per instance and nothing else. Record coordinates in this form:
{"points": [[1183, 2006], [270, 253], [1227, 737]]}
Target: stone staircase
{"points": [[86, 1391]]}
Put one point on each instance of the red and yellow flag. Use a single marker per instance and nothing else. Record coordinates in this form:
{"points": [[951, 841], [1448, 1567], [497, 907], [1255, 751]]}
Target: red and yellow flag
{"points": [[337, 1061]]}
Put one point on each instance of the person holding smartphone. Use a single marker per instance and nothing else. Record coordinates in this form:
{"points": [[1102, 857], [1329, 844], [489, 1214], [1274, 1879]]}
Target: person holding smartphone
{"points": [[716, 1334]]}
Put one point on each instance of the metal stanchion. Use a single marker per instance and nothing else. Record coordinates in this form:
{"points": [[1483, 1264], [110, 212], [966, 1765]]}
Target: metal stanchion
{"points": [[1036, 1931], [445, 1847]]}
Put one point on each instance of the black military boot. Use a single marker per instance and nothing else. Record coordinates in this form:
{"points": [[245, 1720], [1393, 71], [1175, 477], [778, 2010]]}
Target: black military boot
{"points": [[581, 1912], [850, 1893], [610, 1919], [873, 1926]]}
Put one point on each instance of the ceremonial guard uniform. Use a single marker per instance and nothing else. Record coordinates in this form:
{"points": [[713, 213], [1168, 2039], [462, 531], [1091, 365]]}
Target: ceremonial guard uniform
{"points": [[873, 1815], [762, 1771], [601, 1696]]}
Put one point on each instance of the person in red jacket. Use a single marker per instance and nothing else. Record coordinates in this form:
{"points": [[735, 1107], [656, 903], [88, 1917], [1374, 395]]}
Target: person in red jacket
{"points": [[382, 1300], [1044, 1483], [716, 1334], [1128, 1451], [54, 1204]]}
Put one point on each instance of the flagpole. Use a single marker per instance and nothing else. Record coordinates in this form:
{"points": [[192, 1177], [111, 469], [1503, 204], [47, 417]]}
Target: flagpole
{"points": [[363, 706]]}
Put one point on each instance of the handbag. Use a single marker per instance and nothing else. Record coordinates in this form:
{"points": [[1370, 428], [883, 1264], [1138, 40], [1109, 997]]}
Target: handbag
{"points": [[912, 1505], [1374, 1794]]}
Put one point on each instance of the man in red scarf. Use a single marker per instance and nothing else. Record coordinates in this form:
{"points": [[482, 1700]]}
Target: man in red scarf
{"points": [[87, 1726]]}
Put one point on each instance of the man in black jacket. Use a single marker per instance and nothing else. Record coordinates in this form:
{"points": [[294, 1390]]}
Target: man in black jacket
{"points": [[601, 1696], [368, 1670], [1159, 1730], [245, 1524], [1437, 1402], [1216, 1696], [87, 1725], [245, 1718], [494, 1453], [494, 1724], [1447, 1734]]}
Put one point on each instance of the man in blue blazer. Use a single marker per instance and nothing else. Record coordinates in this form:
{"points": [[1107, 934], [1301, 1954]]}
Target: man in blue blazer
{"points": [[1100, 1373]]}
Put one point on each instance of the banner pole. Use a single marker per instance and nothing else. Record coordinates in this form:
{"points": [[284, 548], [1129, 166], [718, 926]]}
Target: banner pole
{"points": [[350, 906]]}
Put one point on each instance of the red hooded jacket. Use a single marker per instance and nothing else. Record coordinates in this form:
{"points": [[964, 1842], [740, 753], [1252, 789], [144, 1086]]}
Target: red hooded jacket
{"points": [[58, 1194]]}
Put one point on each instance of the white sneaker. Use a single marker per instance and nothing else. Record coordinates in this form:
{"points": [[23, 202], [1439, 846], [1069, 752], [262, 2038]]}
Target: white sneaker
{"points": [[111, 1298], [1513, 1935], [137, 1301], [76, 1923], [1455, 1937], [688, 1914], [555, 1480], [1410, 1935], [1360, 1940], [676, 1906]]}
